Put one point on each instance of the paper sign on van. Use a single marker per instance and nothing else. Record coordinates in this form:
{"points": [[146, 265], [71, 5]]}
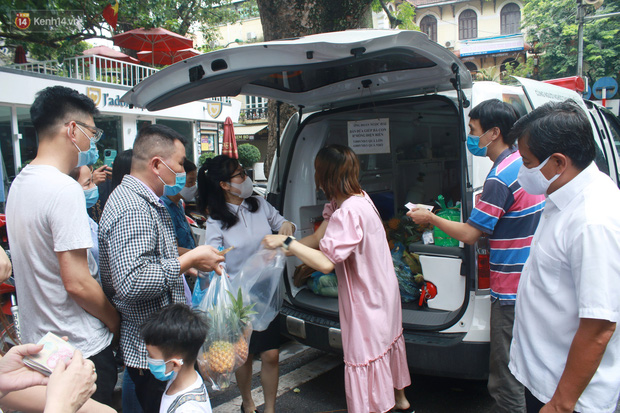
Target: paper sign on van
{"points": [[369, 136]]}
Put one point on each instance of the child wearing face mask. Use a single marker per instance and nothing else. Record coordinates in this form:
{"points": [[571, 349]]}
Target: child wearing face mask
{"points": [[173, 337], [238, 219]]}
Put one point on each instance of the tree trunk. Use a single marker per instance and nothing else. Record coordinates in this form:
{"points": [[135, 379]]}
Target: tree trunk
{"points": [[283, 19]]}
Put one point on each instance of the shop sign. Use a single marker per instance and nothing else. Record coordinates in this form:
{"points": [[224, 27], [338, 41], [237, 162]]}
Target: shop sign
{"points": [[214, 109], [106, 98]]}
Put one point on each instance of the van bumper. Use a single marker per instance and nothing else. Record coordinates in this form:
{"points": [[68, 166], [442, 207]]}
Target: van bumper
{"points": [[429, 353]]}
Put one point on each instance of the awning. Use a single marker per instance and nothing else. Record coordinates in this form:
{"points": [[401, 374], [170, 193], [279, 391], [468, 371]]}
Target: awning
{"points": [[249, 130], [492, 45]]}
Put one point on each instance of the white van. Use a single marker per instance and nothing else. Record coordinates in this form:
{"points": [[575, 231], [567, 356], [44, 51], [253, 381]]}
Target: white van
{"points": [[416, 95]]}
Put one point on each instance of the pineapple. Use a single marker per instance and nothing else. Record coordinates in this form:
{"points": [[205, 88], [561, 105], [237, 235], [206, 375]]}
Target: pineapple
{"points": [[241, 316], [241, 350], [220, 357]]}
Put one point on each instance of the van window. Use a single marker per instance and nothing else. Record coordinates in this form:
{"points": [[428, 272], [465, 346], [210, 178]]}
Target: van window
{"points": [[423, 162], [614, 127], [315, 75]]}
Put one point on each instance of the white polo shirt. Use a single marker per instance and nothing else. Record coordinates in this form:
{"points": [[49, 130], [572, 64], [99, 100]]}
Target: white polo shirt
{"points": [[573, 272]]}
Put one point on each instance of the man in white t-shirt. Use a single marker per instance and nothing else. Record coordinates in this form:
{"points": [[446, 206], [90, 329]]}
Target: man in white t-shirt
{"points": [[49, 233], [565, 346]]}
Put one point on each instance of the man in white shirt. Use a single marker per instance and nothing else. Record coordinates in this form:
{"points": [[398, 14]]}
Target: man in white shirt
{"points": [[565, 346], [49, 233]]}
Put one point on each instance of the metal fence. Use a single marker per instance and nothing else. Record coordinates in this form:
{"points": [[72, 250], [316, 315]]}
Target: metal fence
{"points": [[254, 113], [91, 67]]}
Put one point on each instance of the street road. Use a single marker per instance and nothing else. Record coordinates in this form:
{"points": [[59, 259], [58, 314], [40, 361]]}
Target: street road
{"points": [[312, 381]]}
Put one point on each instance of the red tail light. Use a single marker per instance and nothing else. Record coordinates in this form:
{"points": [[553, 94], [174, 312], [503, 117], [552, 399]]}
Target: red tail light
{"points": [[484, 271], [317, 223]]}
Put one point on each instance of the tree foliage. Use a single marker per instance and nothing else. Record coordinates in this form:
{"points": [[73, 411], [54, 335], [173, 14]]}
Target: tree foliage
{"points": [[404, 16], [552, 29], [179, 16]]}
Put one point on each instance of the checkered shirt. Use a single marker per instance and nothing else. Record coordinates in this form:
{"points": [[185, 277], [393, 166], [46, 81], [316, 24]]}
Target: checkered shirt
{"points": [[139, 262]]}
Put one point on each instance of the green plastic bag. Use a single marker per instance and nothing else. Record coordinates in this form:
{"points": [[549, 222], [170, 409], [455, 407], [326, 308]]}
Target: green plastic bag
{"points": [[453, 214]]}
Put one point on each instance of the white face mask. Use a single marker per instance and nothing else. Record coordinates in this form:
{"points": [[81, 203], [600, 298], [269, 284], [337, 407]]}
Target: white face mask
{"points": [[533, 181], [246, 188], [189, 194]]}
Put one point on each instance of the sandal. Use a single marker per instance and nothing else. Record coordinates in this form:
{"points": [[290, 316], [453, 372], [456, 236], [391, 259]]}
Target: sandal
{"points": [[243, 410]]}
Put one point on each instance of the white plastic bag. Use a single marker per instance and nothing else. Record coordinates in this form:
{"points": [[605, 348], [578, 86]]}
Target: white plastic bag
{"points": [[260, 280], [226, 346]]}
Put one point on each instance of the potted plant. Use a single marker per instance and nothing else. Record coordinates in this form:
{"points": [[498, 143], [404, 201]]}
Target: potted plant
{"points": [[204, 156], [248, 156]]}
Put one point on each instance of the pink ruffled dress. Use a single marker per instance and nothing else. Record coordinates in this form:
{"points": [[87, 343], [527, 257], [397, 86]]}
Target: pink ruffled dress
{"points": [[369, 304]]}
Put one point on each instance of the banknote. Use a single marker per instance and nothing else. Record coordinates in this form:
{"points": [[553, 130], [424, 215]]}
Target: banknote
{"points": [[54, 350]]}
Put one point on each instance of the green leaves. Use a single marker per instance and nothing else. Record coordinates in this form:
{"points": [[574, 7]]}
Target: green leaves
{"points": [[551, 26]]}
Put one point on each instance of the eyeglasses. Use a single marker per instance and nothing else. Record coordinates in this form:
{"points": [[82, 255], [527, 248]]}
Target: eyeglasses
{"points": [[241, 173], [98, 133]]}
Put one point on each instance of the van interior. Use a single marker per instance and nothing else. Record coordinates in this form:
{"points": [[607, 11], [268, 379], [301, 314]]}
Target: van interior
{"points": [[424, 160]]}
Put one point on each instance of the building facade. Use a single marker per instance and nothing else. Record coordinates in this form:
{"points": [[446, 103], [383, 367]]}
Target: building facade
{"points": [[483, 34]]}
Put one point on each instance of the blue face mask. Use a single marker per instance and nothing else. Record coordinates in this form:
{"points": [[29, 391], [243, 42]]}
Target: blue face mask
{"points": [[171, 190], [91, 195], [473, 145], [90, 156], [158, 369]]}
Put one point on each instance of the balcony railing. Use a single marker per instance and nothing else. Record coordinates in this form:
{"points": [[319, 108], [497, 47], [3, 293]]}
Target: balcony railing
{"points": [[254, 113], [94, 68]]}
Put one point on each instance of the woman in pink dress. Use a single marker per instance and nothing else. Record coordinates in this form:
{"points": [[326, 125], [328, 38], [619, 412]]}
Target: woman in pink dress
{"points": [[352, 241]]}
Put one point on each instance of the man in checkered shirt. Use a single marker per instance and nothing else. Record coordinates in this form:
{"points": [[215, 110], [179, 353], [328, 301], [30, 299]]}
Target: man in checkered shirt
{"points": [[141, 270]]}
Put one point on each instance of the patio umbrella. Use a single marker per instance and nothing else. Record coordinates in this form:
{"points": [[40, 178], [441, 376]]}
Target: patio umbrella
{"points": [[152, 40], [105, 51], [167, 58], [229, 145]]}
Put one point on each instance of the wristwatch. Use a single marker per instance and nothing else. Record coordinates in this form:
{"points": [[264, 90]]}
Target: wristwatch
{"points": [[287, 243]]}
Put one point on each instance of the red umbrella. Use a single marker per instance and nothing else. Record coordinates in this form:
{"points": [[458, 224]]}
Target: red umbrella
{"points": [[20, 55], [152, 40], [229, 146], [167, 58], [105, 51]]}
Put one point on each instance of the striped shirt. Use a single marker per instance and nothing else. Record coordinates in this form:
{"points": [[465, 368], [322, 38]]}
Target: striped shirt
{"points": [[510, 215]]}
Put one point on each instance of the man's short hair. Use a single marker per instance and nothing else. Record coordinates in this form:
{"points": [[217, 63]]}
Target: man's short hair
{"points": [[558, 127], [156, 140], [57, 104], [495, 113], [176, 330]]}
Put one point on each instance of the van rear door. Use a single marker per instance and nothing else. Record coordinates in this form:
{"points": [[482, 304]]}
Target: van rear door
{"points": [[320, 71], [539, 93]]}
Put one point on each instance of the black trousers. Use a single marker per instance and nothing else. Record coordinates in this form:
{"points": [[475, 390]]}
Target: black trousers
{"points": [[532, 404], [148, 389], [107, 374]]}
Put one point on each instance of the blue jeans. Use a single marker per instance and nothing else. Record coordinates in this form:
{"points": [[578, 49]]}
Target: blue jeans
{"points": [[130, 400]]}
